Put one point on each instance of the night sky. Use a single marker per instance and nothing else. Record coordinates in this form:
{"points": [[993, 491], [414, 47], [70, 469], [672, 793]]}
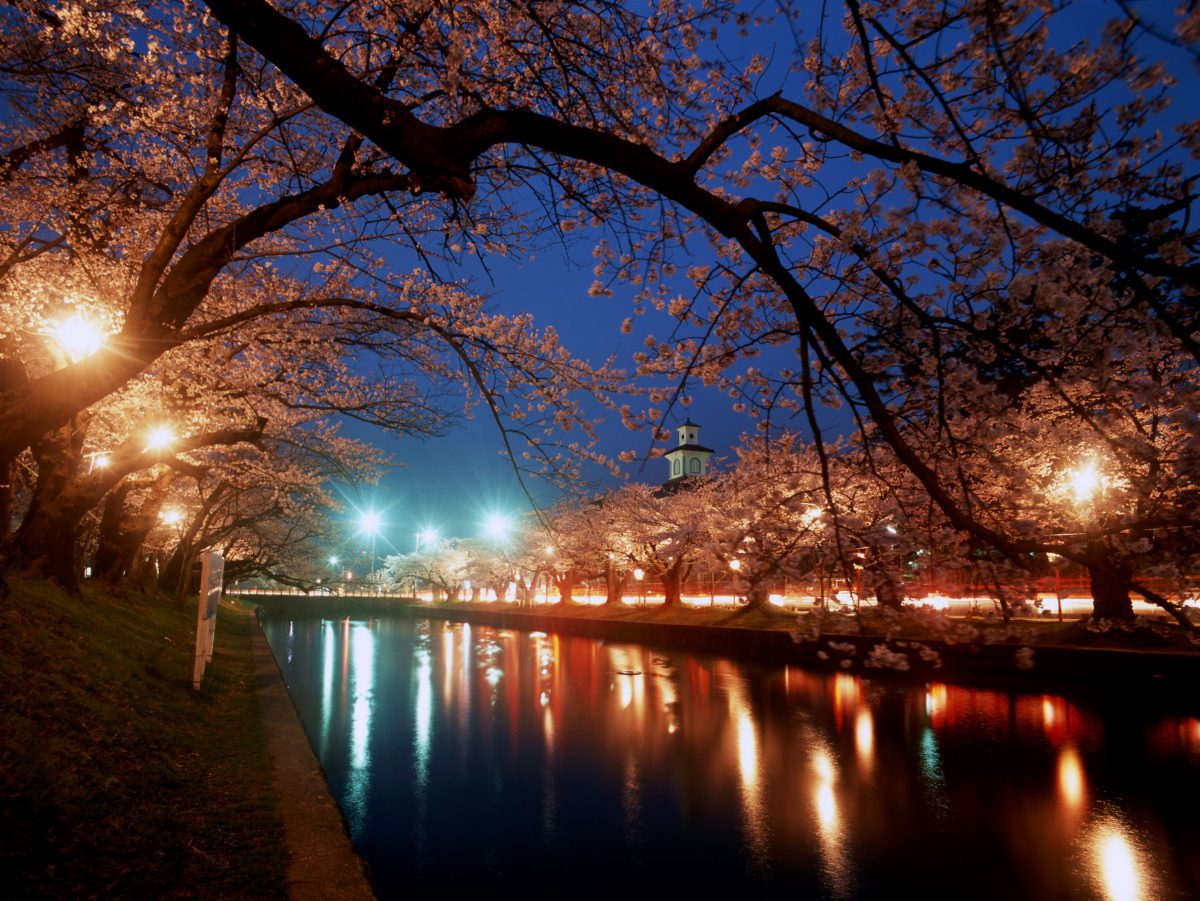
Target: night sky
{"points": [[452, 482]]}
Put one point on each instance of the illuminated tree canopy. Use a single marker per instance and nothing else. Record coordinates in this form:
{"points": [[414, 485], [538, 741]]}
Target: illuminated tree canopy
{"points": [[966, 229]]}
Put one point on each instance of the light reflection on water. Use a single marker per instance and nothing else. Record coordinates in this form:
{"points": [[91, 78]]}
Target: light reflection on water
{"points": [[470, 757]]}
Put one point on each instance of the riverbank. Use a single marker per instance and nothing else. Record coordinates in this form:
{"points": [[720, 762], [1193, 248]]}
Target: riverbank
{"points": [[118, 780], [913, 644]]}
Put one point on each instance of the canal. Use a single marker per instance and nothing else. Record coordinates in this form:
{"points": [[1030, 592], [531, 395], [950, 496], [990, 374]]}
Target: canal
{"points": [[472, 758]]}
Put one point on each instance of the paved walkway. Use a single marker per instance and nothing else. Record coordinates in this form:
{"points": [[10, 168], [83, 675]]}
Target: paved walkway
{"points": [[322, 864]]}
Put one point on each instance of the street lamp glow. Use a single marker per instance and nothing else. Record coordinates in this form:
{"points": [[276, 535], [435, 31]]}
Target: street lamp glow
{"points": [[497, 526], [735, 564], [159, 437], [172, 517], [429, 536], [370, 523], [100, 461], [78, 337], [639, 573], [1085, 481], [333, 561]]}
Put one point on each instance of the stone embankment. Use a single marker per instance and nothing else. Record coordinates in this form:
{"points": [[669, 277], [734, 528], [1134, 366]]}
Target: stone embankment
{"points": [[1028, 655]]}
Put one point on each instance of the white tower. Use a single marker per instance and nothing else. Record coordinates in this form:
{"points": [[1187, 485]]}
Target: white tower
{"points": [[688, 458]]}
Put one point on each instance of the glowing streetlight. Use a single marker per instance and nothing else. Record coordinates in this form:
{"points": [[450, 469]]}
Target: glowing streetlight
{"points": [[496, 527], [735, 564], [333, 561], [160, 437], [172, 517], [1085, 481], [78, 337], [429, 537]]}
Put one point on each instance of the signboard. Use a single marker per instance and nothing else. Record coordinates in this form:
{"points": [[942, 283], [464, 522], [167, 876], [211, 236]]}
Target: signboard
{"points": [[212, 572]]}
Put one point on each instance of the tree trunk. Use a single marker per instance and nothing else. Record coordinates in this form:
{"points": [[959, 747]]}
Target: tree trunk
{"points": [[566, 587], [885, 585], [114, 555], [1110, 577], [672, 587], [614, 585], [124, 531], [44, 545], [758, 596], [8, 471], [12, 375]]}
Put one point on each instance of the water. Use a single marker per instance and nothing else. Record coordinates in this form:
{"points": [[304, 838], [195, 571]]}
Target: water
{"points": [[466, 757]]}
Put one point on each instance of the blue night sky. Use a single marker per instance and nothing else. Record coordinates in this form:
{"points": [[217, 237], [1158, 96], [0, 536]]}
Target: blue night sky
{"points": [[452, 482]]}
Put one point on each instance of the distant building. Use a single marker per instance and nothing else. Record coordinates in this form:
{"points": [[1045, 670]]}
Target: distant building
{"points": [[688, 458]]}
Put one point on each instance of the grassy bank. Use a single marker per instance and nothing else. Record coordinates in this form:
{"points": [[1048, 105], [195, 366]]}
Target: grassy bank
{"points": [[116, 779]]}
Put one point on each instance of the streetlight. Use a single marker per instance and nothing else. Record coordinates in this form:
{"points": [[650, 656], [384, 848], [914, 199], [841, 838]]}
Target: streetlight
{"points": [[369, 523], [428, 536], [1085, 481], [638, 575], [160, 437], [496, 527], [78, 337]]}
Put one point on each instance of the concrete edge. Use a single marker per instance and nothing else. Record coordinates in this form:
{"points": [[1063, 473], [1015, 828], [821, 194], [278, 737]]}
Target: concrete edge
{"points": [[322, 862]]}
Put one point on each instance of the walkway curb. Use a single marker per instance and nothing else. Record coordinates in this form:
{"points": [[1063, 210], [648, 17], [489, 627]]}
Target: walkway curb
{"points": [[322, 863]]}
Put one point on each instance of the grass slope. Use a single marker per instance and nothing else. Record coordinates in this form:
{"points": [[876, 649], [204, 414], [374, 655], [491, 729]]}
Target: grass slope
{"points": [[116, 779]]}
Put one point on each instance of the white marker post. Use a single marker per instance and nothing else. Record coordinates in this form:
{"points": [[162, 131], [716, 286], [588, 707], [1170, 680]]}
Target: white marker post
{"points": [[211, 574]]}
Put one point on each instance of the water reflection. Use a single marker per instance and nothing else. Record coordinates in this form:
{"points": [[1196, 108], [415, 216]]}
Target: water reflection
{"points": [[1118, 870], [491, 758], [864, 740], [835, 856], [1071, 786]]}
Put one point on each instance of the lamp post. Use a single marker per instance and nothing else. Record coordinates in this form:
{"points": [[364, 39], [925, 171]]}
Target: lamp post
{"points": [[1054, 562], [369, 524], [638, 575]]}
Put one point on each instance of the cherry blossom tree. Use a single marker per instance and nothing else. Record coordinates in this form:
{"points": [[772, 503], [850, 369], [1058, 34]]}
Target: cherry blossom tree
{"points": [[771, 516], [229, 216], [903, 201]]}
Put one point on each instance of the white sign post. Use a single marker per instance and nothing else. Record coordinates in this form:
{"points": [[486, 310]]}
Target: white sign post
{"points": [[211, 573]]}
